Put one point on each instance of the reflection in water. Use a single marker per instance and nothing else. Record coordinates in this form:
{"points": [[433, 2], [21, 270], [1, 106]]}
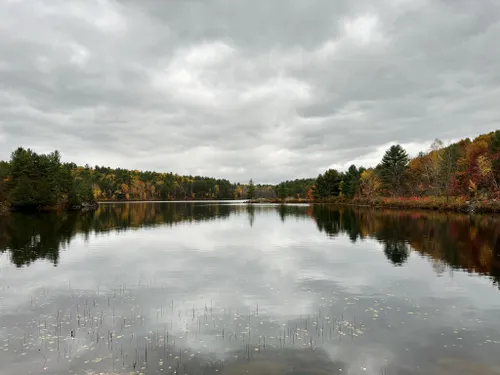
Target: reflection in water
{"points": [[251, 214], [450, 240], [203, 288]]}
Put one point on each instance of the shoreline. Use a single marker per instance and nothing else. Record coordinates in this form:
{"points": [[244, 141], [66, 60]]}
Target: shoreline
{"points": [[168, 200], [454, 204], [6, 209]]}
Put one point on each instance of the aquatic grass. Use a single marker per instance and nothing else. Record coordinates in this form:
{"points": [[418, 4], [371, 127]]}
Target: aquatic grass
{"points": [[100, 325]]}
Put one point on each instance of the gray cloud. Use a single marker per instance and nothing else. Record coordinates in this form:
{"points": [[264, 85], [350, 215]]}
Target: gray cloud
{"points": [[269, 90]]}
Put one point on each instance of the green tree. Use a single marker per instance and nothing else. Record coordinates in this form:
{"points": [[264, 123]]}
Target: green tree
{"points": [[393, 167], [42, 180], [351, 181], [251, 190], [281, 191], [328, 184], [4, 176]]}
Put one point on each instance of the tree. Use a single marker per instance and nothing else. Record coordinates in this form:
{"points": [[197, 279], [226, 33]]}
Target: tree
{"points": [[281, 191], [486, 170], [328, 184], [251, 190], [351, 181], [4, 179], [393, 168], [369, 183], [39, 180], [447, 169]]}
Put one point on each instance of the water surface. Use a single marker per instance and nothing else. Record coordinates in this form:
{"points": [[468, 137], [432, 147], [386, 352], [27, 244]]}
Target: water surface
{"points": [[223, 288]]}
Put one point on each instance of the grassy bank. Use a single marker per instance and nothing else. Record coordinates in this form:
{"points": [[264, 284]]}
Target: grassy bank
{"points": [[458, 204]]}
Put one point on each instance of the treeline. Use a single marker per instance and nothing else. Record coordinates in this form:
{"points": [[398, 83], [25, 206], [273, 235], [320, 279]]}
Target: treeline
{"points": [[469, 168], [299, 188], [30, 180], [122, 184]]}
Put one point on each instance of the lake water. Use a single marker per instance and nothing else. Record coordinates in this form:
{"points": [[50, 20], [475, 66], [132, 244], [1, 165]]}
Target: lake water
{"points": [[224, 288]]}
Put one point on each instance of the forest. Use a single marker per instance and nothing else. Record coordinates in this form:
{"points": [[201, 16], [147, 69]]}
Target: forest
{"points": [[444, 176], [32, 180]]}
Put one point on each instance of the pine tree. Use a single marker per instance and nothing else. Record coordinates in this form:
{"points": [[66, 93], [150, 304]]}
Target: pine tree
{"points": [[251, 190], [393, 167]]}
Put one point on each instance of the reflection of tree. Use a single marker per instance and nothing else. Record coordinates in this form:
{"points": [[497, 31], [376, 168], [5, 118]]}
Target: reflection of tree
{"points": [[251, 214], [287, 210], [396, 251], [40, 236], [282, 212], [450, 240], [327, 220], [32, 237]]}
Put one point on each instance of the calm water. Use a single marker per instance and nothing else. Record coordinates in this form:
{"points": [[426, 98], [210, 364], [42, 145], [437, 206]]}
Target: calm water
{"points": [[221, 288]]}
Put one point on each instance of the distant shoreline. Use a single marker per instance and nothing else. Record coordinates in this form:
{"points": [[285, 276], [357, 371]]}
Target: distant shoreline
{"points": [[86, 206], [453, 204], [170, 200]]}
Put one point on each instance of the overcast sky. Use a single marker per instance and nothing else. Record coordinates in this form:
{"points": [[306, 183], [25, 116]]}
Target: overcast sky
{"points": [[268, 89]]}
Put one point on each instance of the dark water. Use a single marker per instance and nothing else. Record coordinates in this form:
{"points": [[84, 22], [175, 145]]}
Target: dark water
{"points": [[232, 289]]}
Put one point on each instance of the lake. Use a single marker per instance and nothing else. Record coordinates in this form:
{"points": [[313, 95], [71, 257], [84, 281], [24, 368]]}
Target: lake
{"points": [[229, 288]]}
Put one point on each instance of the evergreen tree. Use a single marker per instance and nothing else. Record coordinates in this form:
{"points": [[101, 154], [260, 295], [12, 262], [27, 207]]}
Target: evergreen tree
{"points": [[251, 190], [42, 180], [281, 191], [328, 184], [393, 167], [351, 181]]}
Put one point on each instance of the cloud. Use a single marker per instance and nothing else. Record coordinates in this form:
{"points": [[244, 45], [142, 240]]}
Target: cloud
{"points": [[265, 90]]}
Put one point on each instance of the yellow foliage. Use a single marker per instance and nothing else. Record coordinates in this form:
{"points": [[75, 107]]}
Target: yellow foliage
{"points": [[369, 183], [485, 166], [472, 186]]}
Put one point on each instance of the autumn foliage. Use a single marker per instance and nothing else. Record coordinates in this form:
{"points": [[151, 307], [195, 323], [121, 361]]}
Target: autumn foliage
{"points": [[445, 176]]}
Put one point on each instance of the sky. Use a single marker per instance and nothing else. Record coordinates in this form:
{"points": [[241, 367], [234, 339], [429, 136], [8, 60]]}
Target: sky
{"points": [[269, 90]]}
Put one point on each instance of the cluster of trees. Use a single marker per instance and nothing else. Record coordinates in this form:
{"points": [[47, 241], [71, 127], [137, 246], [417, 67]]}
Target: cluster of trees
{"points": [[299, 188], [31, 180], [37, 180], [468, 167], [122, 184]]}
